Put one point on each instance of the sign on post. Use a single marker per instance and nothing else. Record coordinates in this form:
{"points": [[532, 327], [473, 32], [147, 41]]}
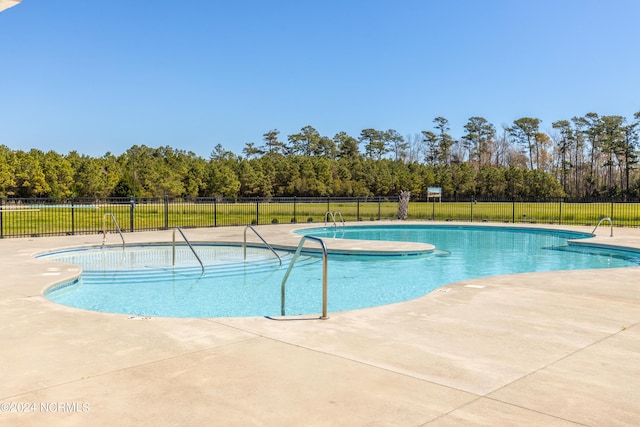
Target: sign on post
{"points": [[435, 192]]}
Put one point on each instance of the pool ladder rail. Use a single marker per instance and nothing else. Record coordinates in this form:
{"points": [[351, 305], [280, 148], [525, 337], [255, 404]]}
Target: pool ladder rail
{"points": [[324, 315], [244, 245], [324, 275], [332, 216], [600, 222], [188, 244], [104, 228]]}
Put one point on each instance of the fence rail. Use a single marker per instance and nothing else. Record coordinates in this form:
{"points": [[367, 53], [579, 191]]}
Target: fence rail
{"points": [[54, 217]]}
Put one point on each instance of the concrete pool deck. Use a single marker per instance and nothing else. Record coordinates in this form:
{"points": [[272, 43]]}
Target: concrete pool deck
{"points": [[552, 349]]}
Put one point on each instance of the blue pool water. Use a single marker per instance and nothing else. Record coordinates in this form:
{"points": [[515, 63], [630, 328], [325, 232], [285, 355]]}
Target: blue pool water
{"points": [[141, 280]]}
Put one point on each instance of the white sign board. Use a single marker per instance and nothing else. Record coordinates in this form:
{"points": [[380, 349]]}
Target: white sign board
{"points": [[434, 192]]}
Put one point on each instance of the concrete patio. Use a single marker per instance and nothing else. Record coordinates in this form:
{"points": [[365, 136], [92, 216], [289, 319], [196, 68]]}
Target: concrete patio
{"points": [[535, 349]]}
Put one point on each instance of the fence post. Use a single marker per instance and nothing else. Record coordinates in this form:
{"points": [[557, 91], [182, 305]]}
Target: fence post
{"points": [[131, 210], [295, 220], [379, 198], [473, 201], [215, 211], [328, 204], [513, 210], [257, 210], [1, 215], [560, 211], [73, 216], [611, 214], [357, 208], [166, 212]]}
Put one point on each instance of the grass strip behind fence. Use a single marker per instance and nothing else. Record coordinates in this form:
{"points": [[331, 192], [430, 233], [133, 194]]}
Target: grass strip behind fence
{"points": [[54, 220]]}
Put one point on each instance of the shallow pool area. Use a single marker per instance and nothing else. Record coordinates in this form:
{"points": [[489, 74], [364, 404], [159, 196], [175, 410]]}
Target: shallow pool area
{"points": [[142, 280]]}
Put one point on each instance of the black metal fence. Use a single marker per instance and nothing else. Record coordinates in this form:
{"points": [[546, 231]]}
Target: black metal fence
{"points": [[50, 217]]}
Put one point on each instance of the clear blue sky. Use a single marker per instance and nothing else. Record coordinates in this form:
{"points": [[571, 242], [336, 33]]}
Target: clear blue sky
{"points": [[99, 76]]}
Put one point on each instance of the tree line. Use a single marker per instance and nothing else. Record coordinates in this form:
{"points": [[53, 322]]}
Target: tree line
{"points": [[589, 156]]}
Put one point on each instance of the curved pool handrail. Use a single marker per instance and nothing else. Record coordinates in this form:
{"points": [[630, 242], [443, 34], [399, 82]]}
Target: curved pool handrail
{"points": [[600, 222], [104, 229], [332, 216], [263, 241], [188, 244], [324, 275]]}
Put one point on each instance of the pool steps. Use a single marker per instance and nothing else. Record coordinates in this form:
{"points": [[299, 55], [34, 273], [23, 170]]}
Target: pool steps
{"points": [[157, 272]]}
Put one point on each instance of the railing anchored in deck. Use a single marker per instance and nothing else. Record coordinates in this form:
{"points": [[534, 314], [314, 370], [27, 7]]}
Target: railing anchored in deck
{"points": [[263, 241], [104, 229], [188, 244], [332, 216], [600, 222], [324, 275]]}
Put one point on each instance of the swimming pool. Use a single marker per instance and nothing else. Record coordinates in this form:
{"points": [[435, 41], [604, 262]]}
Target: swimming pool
{"points": [[141, 281]]}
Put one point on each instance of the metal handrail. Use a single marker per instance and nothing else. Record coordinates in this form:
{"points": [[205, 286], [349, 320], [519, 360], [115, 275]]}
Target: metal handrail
{"points": [[104, 229], [600, 222], [324, 275], [188, 244], [333, 218], [263, 241]]}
